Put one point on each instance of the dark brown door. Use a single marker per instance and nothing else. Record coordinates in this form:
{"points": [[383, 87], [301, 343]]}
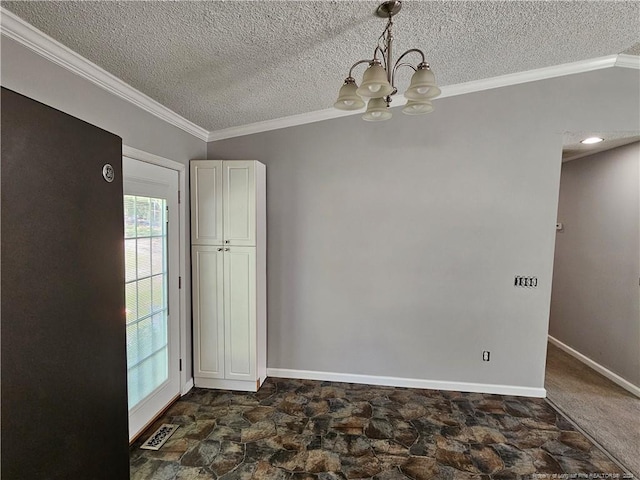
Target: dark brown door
{"points": [[64, 390]]}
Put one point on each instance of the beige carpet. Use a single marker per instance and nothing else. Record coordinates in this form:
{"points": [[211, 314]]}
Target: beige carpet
{"points": [[605, 411]]}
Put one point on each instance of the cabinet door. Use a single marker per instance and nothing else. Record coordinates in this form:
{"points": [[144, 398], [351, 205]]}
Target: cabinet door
{"points": [[206, 202], [239, 203], [208, 312], [240, 313]]}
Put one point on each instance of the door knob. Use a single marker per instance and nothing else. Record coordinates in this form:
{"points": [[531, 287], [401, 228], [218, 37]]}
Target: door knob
{"points": [[226, 241]]}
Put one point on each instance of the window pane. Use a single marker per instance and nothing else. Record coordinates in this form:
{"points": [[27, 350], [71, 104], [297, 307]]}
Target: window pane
{"points": [[157, 216], [146, 297], [150, 374], [129, 216], [133, 386], [130, 259], [157, 283], [145, 338], [132, 345], [159, 324], [157, 255], [131, 294], [144, 257], [143, 216]]}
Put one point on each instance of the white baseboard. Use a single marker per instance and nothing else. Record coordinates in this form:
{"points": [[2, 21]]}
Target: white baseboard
{"points": [[408, 382], [223, 384], [187, 387], [615, 378]]}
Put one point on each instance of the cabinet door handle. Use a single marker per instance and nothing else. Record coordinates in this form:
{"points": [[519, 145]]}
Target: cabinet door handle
{"points": [[226, 249], [220, 249], [226, 241]]}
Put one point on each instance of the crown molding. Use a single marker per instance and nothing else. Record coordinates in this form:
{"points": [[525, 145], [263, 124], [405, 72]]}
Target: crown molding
{"points": [[277, 123], [527, 76], [629, 61], [15, 28], [27, 35]]}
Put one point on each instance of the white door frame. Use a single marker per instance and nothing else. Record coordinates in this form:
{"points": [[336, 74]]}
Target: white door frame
{"points": [[186, 384]]}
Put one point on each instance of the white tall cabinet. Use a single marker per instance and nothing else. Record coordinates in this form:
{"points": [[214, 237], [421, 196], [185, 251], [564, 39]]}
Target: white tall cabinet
{"points": [[228, 266]]}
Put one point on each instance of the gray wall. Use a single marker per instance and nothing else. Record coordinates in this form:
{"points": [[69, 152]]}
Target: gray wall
{"points": [[392, 247], [595, 303], [34, 76]]}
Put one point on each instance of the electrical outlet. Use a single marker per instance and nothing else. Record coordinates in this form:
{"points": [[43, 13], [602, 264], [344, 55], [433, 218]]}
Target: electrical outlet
{"points": [[485, 355]]}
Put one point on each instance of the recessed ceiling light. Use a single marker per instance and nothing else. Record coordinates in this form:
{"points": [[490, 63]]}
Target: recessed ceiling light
{"points": [[590, 140]]}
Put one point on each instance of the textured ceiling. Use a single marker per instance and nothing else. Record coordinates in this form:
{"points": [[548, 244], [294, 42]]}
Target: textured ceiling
{"points": [[228, 63], [573, 149]]}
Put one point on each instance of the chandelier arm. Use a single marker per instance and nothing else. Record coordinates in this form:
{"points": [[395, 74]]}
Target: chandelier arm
{"points": [[384, 58], [398, 65], [406, 65], [356, 64], [417, 50]]}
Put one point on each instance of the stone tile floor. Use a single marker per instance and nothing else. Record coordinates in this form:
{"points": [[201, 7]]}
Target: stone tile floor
{"points": [[311, 430]]}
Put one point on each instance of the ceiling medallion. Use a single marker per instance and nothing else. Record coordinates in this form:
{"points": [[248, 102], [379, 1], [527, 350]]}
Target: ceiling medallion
{"points": [[378, 81]]}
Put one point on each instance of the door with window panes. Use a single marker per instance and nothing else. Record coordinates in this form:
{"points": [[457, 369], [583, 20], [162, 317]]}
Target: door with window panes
{"points": [[151, 290]]}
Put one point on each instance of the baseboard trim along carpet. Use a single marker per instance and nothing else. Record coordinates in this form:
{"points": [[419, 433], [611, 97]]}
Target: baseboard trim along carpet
{"points": [[407, 382], [615, 378]]}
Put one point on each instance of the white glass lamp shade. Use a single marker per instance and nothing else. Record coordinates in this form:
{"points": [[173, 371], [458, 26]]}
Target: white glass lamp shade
{"points": [[348, 99], [377, 110], [423, 86], [417, 107], [375, 83]]}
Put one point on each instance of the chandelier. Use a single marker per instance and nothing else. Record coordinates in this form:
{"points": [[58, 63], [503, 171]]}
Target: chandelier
{"points": [[378, 81]]}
